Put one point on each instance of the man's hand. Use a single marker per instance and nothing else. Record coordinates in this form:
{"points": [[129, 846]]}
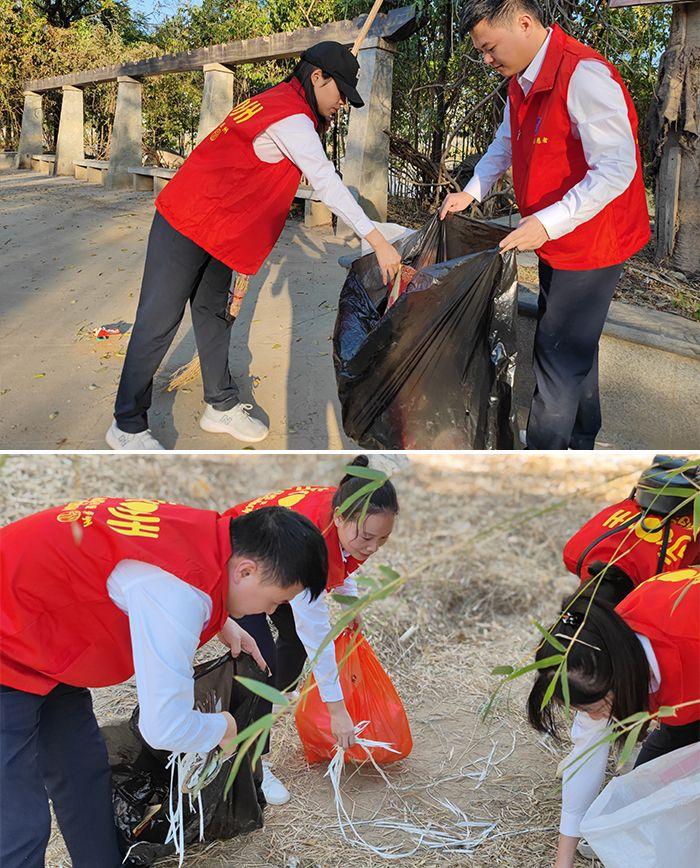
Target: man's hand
{"points": [[230, 734], [455, 202], [388, 257], [530, 234], [236, 639], [342, 727]]}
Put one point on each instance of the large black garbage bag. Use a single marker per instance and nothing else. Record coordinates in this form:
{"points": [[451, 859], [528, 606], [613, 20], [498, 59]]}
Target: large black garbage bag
{"points": [[435, 370], [140, 780]]}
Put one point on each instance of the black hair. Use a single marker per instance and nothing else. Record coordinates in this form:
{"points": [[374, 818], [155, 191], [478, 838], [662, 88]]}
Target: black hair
{"points": [[303, 72], [384, 499], [496, 11], [288, 546], [613, 586], [606, 657]]}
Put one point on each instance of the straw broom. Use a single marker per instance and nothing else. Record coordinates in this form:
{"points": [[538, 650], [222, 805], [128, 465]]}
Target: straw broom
{"points": [[193, 370]]}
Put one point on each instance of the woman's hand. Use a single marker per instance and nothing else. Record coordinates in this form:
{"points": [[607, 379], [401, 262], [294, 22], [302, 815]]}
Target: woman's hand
{"points": [[230, 734], [342, 727], [455, 202], [237, 640], [388, 257]]}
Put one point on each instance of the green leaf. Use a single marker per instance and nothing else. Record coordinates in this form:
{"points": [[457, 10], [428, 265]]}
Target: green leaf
{"points": [[633, 718], [555, 643], [240, 756], [345, 599], [355, 496], [366, 581], [388, 572], [366, 473], [629, 744], [545, 663], [259, 748], [565, 687], [550, 690], [264, 722], [502, 670], [666, 711], [265, 690]]}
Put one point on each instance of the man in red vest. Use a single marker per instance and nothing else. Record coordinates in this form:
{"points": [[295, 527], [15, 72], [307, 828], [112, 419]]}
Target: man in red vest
{"points": [[570, 133], [96, 591]]}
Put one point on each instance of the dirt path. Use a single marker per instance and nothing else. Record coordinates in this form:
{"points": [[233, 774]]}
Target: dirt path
{"points": [[470, 605]]}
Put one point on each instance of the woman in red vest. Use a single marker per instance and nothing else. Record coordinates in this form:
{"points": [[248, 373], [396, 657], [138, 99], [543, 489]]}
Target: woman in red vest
{"points": [[223, 212], [94, 592], [570, 133], [639, 656], [304, 623]]}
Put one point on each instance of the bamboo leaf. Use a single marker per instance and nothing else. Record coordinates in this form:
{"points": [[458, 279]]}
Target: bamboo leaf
{"points": [[565, 687], [366, 473], [266, 691], [666, 711], [555, 643], [237, 764], [545, 663], [549, 692], [502, 670], [682, 594], [366, 581], [355, 496], [633, 718], [264, 722], [629, 744], [345, 599], [388, 573], [259, 748]]}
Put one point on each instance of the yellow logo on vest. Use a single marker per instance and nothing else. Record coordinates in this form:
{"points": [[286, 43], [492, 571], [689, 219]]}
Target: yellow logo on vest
{"points": [[540, 140], [135, 518], [245, 111]]}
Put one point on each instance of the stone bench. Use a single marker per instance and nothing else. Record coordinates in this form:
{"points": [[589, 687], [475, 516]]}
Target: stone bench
{"points": [[92, 171], [43, 163], [150, 177]]}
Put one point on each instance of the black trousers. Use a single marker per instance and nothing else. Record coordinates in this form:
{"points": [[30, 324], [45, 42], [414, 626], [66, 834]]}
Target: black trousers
{"points": [[285, 657], [176, 271], [667, 738], [52, 748], [571, 311]]}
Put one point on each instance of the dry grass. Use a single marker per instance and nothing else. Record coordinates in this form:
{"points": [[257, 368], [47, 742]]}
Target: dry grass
{"points": [[469, 602]]}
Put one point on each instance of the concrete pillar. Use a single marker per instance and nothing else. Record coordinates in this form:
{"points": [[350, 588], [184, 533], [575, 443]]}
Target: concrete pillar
{"points": [[125, 144], [69, 145], [31, 137], [316, 214], [217, 98], [366, 169]]}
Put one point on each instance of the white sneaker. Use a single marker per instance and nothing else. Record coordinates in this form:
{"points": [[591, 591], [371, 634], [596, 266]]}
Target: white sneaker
{"points": [[235, 422], [584, 849], [118, 439], [273, 789]]}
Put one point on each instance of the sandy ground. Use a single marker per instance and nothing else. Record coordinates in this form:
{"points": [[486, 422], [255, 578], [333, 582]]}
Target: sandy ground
{"points": [[470, 602], [73, 257]]}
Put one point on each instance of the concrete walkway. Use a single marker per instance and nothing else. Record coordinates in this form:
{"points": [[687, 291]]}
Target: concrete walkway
{"points": [[72, 260]]}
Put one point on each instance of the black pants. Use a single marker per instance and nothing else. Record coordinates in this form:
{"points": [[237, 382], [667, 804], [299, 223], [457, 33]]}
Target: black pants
{"points": [[667, 738], [286, 657], [176, 271], [571, 311], [52, 748]]}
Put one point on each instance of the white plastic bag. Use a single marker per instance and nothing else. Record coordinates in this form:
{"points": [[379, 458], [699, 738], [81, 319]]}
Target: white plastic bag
{"points": [[651, 816]]}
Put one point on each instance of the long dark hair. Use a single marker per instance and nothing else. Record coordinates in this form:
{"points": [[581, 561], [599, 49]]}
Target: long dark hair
{"points": [[384, 499], [303, 72], [606, 658]]}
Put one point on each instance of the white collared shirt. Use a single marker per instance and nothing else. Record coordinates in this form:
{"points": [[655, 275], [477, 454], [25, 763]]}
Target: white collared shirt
{"points": [[599, 118], [578, 794], [295, 137]]}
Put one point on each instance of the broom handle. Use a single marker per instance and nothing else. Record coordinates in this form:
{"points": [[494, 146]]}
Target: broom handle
{"points": [[366, 26]]}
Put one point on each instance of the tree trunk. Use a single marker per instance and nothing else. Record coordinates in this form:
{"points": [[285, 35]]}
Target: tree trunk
{"points": [[674, 128]]}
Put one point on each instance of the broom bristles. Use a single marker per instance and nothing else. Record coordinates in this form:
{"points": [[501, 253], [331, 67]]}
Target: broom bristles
{"points": [[184, 375]]}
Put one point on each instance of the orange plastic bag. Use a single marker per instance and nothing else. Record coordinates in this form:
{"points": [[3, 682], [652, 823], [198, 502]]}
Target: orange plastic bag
{"points": [[369, 695]]}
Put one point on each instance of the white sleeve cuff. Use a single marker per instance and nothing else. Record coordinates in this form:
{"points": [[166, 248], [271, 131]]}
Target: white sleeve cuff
{"points": [[570, 824], [475, 188], [555, 219]]}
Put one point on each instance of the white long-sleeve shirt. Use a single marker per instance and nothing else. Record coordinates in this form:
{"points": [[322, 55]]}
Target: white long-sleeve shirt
{"points": [[295, 137], [599, 118], [166, 619], [579, 791], [312, 622]]}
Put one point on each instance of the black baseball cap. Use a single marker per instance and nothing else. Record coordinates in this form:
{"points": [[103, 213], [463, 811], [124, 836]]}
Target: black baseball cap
{"points": [[341, 64]]}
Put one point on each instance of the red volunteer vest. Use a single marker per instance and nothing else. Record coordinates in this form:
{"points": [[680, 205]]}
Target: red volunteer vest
{"points": [[316, 504], [227, 200], [674, 636], [548, 161], [641, 545], [58, 622]]}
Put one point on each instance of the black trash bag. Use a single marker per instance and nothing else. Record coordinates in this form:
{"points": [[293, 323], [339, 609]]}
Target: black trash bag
{"points": [[436, 370], [140, 780]]}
